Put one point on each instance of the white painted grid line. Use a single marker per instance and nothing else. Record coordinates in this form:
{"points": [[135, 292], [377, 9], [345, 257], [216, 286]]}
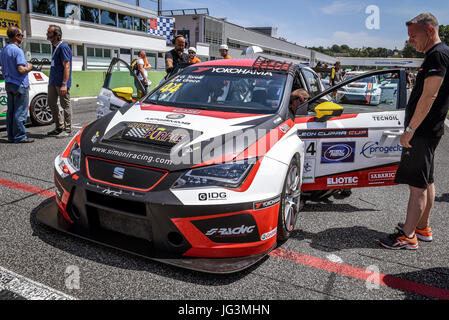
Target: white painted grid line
{"points": [[29, 289]]}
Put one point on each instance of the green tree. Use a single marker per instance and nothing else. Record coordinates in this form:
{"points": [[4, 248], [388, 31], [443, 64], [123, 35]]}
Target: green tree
{"points": [[444, 33]]}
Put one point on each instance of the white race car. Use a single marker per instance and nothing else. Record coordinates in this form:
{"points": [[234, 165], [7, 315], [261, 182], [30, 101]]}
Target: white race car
{"points": [[39, 112], [367, 90], [209, 170]]}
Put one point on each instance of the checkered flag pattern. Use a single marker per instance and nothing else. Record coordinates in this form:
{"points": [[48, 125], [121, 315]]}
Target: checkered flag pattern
{"points": [[162, 26], [136, 132]]}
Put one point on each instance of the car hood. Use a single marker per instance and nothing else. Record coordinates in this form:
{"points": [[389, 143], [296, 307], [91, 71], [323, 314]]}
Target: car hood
{"points": [[175, 138]]}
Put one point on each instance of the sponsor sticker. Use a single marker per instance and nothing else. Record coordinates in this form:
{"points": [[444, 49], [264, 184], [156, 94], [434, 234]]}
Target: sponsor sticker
{"points": [[333, 133], [337, 152], [204, 196], [266, 203], [308, 175], [176, 116], [269, 234], [241, 71], [373, 149], [284, 128], [159, 134], [238, 231], [386, 117], [381, 176], [342, 181]]}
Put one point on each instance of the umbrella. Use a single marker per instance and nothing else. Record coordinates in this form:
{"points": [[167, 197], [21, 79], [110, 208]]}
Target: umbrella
{"points": [[251, 50]]}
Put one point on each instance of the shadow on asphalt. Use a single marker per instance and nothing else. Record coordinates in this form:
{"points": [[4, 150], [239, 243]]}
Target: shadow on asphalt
{"points": [[330, 206], [433, 279], [119, 259], [443, 198], [336, 239]]}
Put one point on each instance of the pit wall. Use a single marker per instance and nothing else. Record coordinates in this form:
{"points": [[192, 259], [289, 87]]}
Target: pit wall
{"points": [[89, 83]]}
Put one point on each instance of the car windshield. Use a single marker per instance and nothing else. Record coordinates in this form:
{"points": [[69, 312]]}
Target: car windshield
{"points": [[233, 89]]}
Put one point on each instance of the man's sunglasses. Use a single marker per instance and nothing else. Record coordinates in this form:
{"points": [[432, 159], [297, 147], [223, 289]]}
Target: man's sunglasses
{"points": [[19, 35]]}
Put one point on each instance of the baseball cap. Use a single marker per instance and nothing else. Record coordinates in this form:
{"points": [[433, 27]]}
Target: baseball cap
{"points": [[192, 49], [224, 47]]}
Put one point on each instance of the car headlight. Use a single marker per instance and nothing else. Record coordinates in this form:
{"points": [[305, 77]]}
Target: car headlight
{"points": [[75, 156], [230, 175]]}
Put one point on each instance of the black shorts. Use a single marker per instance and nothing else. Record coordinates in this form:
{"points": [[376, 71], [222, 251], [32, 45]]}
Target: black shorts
{"points": [[417, 163]]}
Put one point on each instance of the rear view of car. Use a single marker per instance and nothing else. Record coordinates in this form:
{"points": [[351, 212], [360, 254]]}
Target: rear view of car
{"points": [[366, 91]]}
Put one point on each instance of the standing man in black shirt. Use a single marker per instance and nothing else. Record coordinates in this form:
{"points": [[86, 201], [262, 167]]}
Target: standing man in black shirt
{"points": [[176, 56], [424, 123]]}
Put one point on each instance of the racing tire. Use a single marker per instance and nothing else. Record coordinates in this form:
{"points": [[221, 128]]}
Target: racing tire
{"points": [[40, 112], [290, 204]]}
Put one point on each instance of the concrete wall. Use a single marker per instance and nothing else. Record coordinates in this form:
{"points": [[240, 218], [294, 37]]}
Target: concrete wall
{"points": [[89, 83]]}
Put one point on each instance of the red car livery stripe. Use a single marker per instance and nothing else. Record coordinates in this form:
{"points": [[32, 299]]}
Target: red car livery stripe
{"points": [[356, 179], [202, 246], [197, 112]]}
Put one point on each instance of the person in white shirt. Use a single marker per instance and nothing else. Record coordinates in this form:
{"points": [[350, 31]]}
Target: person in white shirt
{"points": [[142, 73]]}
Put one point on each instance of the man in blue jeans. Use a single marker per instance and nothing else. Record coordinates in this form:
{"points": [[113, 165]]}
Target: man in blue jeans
{"points": [[15, 70]]}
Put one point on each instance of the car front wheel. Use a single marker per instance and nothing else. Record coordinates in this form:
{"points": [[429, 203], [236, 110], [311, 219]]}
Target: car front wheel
{"points": [[290, 200], [40, 111]]}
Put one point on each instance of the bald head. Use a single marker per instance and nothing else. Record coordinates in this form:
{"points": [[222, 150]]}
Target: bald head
{"points": [[13, 31]]}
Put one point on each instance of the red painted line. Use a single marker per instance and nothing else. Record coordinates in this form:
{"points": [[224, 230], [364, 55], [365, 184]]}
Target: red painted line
{"points": [[300, 258], [362, 274], [27, 188]]}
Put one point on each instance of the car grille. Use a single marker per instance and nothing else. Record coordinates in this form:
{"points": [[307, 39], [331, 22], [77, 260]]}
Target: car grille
{"points": [[119, 204], [124, 175], [129, 226]]}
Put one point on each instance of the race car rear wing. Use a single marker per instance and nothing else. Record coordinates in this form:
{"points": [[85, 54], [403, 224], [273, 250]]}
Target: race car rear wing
{"points": [[265, 64]]}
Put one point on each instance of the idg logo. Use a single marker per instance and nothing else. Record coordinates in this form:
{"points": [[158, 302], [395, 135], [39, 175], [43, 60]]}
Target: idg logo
{"points": [[376, 149]]}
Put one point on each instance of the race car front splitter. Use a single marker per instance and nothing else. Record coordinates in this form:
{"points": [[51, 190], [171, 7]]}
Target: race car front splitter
{"points": [[49, 216]]}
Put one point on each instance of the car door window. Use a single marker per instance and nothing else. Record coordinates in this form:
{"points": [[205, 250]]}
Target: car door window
{"points": [[122, 81], [375, 93], [313, 82]]}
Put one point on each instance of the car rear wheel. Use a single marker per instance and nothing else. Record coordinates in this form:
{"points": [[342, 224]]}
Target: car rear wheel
{"points": [[290, 200], [40, 111]]}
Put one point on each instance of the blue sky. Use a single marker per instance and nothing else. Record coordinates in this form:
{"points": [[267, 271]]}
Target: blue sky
{"points": [[316, 22]]}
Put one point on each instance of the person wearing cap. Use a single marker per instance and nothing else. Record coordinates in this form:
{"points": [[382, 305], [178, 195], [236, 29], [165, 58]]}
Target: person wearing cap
{"points": [[192, 55], [224, 49]]}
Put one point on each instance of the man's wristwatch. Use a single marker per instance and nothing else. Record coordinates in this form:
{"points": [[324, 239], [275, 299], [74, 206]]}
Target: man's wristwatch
{"points": [[408, 129], [64, 83]]}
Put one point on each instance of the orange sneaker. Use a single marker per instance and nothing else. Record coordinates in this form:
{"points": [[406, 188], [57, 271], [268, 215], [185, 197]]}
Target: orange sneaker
{"points": [[422, 234], [398, 241]]}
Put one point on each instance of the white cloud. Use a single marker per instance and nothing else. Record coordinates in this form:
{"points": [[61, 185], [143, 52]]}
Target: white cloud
{"points": [[341, 7]]}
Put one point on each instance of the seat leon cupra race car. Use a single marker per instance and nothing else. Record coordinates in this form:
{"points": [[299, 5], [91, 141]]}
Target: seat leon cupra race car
{"points": [[208, 171]]}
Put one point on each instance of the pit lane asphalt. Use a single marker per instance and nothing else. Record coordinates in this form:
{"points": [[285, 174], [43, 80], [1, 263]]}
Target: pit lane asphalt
{"points": [[342, 230]]}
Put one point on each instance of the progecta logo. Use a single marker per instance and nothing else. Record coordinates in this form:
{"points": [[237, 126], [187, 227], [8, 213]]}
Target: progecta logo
{"points": [[373, 149]]}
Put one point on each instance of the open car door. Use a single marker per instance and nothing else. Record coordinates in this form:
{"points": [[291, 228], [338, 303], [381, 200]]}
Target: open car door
{"points": [[121, 87], [352, 130]]}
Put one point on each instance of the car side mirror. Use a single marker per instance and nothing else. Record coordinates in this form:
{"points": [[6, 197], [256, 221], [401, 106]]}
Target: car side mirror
{"points": [[124, 92], [326, 110]]}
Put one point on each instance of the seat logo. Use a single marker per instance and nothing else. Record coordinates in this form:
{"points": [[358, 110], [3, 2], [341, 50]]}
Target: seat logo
{"points": [[119, 173]]}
